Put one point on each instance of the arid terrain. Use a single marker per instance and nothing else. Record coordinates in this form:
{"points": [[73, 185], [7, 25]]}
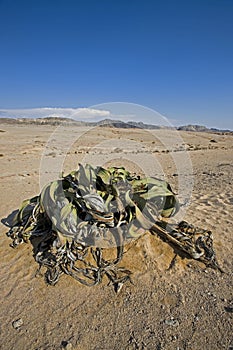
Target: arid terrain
{"points": [[169, 306]]}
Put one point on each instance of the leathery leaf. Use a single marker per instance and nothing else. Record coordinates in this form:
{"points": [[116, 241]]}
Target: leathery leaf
{"points": [[144, 222], [105, 175], [25, 209], [65, 211], [54, 187]]}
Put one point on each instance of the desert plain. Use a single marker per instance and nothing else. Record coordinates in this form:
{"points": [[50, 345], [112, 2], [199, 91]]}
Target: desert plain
{"points": [[171, 304]]}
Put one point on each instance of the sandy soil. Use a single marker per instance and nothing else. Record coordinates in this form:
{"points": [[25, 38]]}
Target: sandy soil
{"points": [[183, 306]]}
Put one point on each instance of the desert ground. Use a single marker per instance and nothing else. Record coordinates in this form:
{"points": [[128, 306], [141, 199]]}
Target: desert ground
{"points": [[168, 306]]}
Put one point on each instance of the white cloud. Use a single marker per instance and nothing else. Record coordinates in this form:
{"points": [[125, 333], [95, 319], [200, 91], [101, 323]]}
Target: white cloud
{"points": [[74, 113], [118, 111]]}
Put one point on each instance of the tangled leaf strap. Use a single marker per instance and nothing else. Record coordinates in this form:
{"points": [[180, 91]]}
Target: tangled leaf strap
{"points": [[196, 242]]}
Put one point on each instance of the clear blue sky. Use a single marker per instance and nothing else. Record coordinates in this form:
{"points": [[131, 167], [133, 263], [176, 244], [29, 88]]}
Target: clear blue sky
{"points": [[170, 55]]}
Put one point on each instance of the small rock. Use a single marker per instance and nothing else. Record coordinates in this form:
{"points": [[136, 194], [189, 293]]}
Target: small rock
{"points": [[229, 308], [172, 322], [17, 323], [67, 345]]}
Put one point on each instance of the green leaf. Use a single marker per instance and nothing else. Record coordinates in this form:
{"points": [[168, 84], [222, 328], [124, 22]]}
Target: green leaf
{"points": [[65, 211], [54, 186], [105, 175], [144, 222], [135, 230]]}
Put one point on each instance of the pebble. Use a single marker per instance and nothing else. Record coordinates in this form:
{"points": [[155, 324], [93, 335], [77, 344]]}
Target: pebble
{"points": [[17, 323], [229, 308], [68, 346], [172, 322]]}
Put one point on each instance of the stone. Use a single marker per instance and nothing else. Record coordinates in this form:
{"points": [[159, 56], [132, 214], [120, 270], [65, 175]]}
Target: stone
{"points": [[17, 323]]}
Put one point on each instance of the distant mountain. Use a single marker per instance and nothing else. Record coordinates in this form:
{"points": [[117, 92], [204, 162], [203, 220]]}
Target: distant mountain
{"points": [[200, 128], [191, 127], [127, 125], [105, 123], [69, 121]]}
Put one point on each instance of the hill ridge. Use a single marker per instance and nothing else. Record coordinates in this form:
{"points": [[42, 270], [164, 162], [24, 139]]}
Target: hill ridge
{"points": [[106, 123]]}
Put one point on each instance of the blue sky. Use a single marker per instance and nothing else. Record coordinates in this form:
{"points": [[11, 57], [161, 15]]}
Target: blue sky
{"points": [[172, 56]]}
